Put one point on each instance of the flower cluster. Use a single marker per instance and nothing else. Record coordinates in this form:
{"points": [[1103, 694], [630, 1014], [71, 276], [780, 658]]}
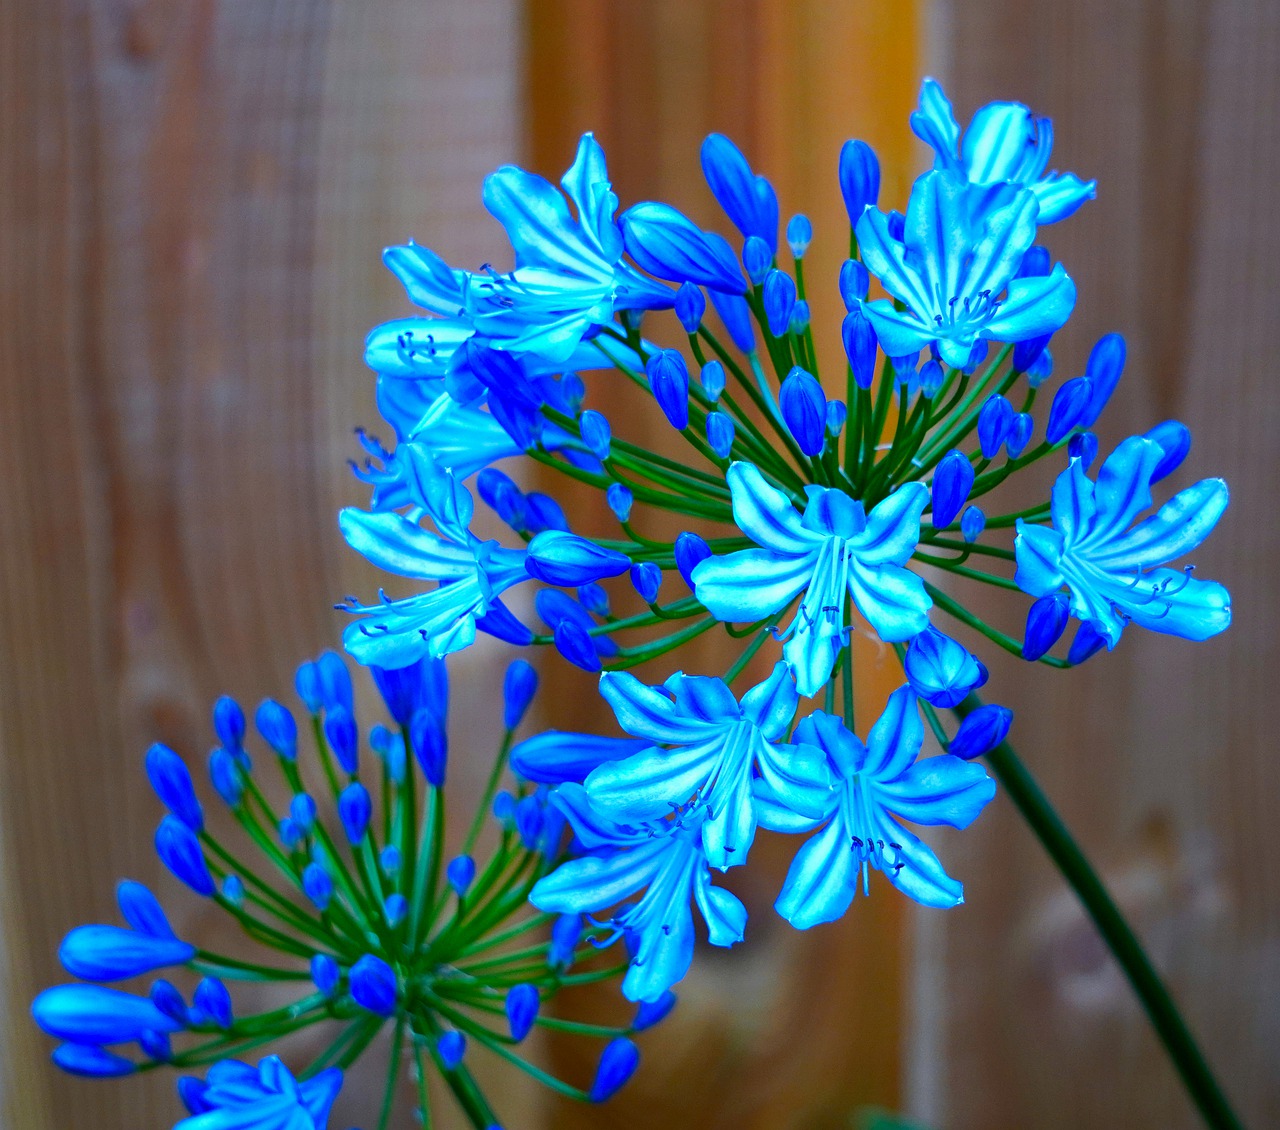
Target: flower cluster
{"points": [[358, 915], [817, 516]]}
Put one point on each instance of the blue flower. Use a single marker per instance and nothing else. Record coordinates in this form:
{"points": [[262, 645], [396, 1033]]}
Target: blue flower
{"points": [[1114, 571], [836, 546], [472, 574], [706, 748], [955, 260], [94, 1014], [878, 784], [235, 1096], [665, 861], [1005, 142], [570, 276]]}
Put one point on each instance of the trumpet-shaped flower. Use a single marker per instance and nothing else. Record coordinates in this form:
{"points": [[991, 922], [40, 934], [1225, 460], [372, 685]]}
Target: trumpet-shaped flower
{"points": [[570, 276], [471, 573], [833, 548], [706, 748], [1113, 569], [1005, 143], [235, 1096], [662, 862], [958, 255], [877, 785]]}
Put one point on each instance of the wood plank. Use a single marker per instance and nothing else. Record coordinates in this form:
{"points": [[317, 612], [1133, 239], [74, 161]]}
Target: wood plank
{"points": [[1160, 755]]}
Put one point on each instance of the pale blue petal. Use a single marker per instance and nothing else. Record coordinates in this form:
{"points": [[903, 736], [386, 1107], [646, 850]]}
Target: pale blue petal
{"points": [[730, 827], [937, 235], [1072, 502], [822, 879], [1060, 194], [536, 218], [935, 124], [704, 697], [1039, 553], [1123, 489], [938, 790], [886, 259], [921, 875], [427, 279], [900, 332], [893, 527], [892, 599], [894, 741], [772, 704], [812, 650], [1176, 528], [1007, 233], [775, 816], [750, 584], [646, 712], [1033, 307], [593, 883], [415, 348], [663, 958], [996, 142], [1194, 610], [650, 784], [764, 513], [797, 777], [723, 912]]}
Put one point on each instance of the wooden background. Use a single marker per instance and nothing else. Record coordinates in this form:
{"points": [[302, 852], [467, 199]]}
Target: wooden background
{"points": [[192, 196]]}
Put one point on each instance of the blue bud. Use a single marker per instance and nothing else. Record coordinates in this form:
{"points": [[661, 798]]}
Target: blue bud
{"points": [[596, 433], [92, 1062], [390, 749], [859, 178], [995, 421], [355, 809], [290, 834], [860, 347], [317, 885], [690, 307], [1089, 641], [171, 780], [522, 1009], [518, 688], [572, 642], [1046, 621], [156, 1046], [1104, 369], [1069, 409], [504, 809], [1175, 440], [303, 811], [804, 408], [736, 316], [340, 730], [712, 377], [461, 873], [618, 1063], [1084, 446], [560, 558], [389, 860], [972, 522], [1040, 369], [952, 482], [981, 731], [165, 996], [213, 1001], [373, 985], [1035, 263], [646, 579], [542, 512], [1027, 353], [779, 299], [430, 743], [325, 973], [720, 433], [224, 775], [896, 223], [110, 953], [573, 390], [1024, 426], [940, 670], [799, 235], [233, 890], [335, 681], [94, 1014], [142, 910], [931, 377], [905, 367], [855, 283], [690, 551], [620, 500], [669, 383], [668, 244], [529, 821], [179, 851], [451, 1047], [837, 414], [748, 200], [394, 909], [565, 933], [503, 496], [594, 599], [277, 727], [649, 1013], [757, 257], [799, 318], [228, 722]]}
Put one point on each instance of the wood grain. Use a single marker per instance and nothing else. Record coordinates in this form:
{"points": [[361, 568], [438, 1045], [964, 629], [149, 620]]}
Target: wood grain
{"points": [[1161, 755]]}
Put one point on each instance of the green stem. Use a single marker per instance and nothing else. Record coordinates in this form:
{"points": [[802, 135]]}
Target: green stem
{"points": [[1188, 1060]]}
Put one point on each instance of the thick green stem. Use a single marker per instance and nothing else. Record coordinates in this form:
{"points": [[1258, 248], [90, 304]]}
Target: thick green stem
{"points": [[1053, 835]]}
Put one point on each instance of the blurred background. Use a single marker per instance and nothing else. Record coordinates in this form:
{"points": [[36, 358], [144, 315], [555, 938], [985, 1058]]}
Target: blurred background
{"points": [[193, 196]]}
